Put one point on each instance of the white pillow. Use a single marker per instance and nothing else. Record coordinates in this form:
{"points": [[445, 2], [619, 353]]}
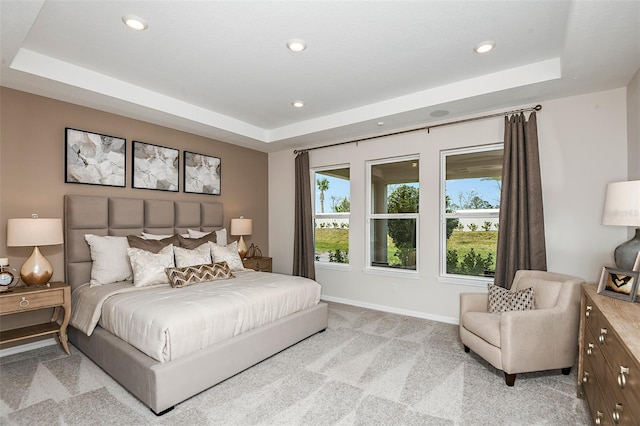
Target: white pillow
{"points": [[198, 256], [154, 236], [227, 254], [159, 237], [197, 234], [221, 235], [148, 268], [110, 260]]}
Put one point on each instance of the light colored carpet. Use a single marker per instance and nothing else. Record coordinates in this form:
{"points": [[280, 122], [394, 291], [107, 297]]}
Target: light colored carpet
{"points": [[367, 368]]}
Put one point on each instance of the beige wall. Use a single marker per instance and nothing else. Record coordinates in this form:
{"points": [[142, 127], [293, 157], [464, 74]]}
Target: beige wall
{"points": [[583, 146], [32, 168]]}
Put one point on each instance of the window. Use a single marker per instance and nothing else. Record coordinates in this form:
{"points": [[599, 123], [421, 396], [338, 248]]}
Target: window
{"points": [[471, 182], [392, 215], [331, 214]]}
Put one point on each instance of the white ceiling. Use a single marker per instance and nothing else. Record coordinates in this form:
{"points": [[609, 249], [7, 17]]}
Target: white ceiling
{"points": [[221, 68]]}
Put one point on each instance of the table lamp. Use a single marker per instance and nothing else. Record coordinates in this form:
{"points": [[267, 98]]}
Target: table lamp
{"points": [[35, 232], [241, 227], [622, 208]]}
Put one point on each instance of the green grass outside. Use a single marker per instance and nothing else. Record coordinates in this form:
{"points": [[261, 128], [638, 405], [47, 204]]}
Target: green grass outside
{"points": [[330, 239], [483, 242]]}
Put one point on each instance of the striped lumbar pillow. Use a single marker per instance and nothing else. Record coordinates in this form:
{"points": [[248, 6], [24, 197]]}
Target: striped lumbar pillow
{"points": [[182, 277]]}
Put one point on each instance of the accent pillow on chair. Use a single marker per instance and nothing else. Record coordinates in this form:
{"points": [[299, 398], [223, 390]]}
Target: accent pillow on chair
{"points": [[503, 300]]}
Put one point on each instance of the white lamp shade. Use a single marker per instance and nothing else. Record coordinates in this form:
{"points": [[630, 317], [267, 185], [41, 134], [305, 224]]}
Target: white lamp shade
{"points": [[34, 232], [241, 226], [622, 204]]}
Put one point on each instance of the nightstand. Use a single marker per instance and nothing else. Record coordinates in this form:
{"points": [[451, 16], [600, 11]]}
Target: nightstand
{"points": [[262, 264], [55, 295]]}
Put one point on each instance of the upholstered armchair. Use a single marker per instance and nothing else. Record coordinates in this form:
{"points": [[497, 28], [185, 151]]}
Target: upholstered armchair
{"points": [[543, 338]]}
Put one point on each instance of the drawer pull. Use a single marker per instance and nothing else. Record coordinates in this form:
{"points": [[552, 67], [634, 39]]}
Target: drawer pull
{"points": [[585, 377], [599, 416], [23, 302], [590, 347], [588, 310], [603, 333], [622, 377], [616, 413]]}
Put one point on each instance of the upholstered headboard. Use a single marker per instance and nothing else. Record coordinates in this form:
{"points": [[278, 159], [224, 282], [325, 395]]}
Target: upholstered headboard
{"points": [[126, 216]]}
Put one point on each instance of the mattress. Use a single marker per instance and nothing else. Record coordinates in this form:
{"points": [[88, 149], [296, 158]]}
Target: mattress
{"points": [[167, 323]]}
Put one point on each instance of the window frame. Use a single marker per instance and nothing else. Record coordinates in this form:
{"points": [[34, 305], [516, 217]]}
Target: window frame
{"points": [[443, 275], [370, 217], [314, 189]]}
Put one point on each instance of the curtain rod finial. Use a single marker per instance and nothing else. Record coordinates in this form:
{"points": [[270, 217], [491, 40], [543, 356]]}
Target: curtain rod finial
{"points": [[537, 107]]}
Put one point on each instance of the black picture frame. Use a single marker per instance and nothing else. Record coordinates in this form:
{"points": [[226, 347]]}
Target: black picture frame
{"points": [[618, 284], [94, 158], [155, 167], [202, 173]]}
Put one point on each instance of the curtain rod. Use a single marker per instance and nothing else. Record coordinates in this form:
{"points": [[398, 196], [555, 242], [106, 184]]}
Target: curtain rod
{"points": [[427, 128]]}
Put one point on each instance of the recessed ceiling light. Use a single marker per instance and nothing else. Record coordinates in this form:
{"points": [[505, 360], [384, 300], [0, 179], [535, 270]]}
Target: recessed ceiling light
{"points": [[135, 22], [484, 47], [296, 45], [297, 104], [380, 123]]}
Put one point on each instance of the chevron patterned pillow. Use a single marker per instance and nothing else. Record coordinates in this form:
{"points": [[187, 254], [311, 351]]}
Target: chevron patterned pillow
{"points": [[182, 277]]}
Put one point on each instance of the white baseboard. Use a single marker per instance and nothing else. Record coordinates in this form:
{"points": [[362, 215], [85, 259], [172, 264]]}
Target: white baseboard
{"points": [[27, 347], [392, 310]]}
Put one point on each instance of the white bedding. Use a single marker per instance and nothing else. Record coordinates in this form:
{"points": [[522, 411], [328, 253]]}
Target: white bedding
{"points": [[166, 323]]}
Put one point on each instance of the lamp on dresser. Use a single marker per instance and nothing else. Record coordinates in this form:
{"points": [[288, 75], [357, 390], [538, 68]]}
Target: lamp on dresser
{"points": [[35, 231], [241, 227], [622, 208]]}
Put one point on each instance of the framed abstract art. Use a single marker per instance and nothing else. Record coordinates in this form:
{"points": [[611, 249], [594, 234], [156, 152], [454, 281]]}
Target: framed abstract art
{"points": [[94, 158], [155, 167], [202, 173]]}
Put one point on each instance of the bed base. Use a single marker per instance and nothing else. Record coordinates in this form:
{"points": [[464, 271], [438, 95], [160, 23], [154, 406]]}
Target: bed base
{"points": [[161, 386]]}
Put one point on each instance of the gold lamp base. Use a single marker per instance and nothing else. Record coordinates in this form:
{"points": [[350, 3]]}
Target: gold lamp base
{"points": [[242, 248], [36, 270]]}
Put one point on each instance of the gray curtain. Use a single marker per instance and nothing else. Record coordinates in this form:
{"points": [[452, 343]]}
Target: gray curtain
{"points": [[521, 242], [303, 248]]}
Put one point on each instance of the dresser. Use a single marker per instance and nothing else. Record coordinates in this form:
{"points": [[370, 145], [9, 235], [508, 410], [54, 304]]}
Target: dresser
{"points": [[609, 361]]}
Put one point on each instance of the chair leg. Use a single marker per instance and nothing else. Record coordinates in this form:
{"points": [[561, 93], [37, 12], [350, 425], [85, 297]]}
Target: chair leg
{"points": [[566, 371], [466, 348], [509, 379]]}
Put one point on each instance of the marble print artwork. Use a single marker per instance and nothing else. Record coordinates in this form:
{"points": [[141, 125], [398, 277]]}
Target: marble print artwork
{"points": [[155, 167], [201, 173], [94, 159]]}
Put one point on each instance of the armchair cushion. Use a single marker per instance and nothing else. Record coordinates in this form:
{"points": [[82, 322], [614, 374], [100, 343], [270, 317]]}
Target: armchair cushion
{"points": [[503, 300], [483, 325]]}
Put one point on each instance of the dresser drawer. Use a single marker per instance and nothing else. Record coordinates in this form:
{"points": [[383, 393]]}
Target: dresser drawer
{"points": [[20, 302], [597, 407], [621, 382]]}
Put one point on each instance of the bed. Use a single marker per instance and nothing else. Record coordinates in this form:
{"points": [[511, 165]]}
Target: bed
{"points": [[161, 384]]}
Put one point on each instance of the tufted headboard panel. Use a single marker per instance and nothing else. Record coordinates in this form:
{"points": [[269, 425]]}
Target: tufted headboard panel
{"points": [[126, 216]]}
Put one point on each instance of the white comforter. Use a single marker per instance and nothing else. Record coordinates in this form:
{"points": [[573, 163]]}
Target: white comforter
{"points": [[166, 323]]}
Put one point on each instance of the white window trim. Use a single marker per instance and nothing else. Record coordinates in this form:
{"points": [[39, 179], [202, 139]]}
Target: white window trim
{"points": [[381, 270], [443, 276], [314, 170]]}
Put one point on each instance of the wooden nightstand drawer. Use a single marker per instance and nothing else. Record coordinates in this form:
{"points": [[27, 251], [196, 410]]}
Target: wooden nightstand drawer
{"points": [[19, 302], [262, 264]]}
